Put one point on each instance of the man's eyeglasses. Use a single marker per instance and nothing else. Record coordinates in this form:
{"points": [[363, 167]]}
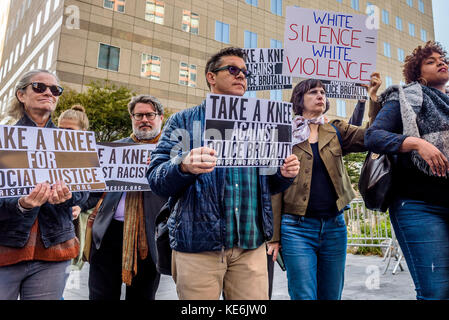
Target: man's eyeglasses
{"points": [[40, 87], [235, 71], [149, 116]]}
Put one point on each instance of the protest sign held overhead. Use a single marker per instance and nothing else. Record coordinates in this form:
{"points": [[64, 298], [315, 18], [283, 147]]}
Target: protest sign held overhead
{"points": [[328, 45], [124, 165], [31, 155], [248, 132], [344, 90], [265, 65]]}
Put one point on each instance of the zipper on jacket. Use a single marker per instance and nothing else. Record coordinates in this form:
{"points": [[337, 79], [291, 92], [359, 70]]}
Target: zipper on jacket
{"points": [[222, 254]]}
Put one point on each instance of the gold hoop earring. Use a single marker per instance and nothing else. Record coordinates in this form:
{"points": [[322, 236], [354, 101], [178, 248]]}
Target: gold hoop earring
{"points": [[422, 81]]}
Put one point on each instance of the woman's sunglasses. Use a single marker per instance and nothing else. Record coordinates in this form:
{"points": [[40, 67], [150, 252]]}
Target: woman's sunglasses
{"points": [[40, 87]]}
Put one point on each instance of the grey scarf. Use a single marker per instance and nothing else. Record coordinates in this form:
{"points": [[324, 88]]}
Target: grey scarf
{"points": [[425, 114]]}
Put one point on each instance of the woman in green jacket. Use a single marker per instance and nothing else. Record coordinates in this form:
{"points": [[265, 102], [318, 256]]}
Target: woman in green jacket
{"points": [[308, 216]]}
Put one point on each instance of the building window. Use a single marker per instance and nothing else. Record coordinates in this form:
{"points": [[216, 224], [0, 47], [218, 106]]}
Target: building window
{"points": [[275, 44], [50, 55], [411, 29], [154, 11], [401, 55], [24, 39], [108, 57], [385, 16], [56, 5], [421, 6], [399, 23], [250, 39], [150, 67], [369, 9], [355, 4], [221, 31], [250, 94], [30, 34], [276, 7], [276, 95], [252, 2], [190, 22], [116, 5], [47, 11], [38, 23], [341, 108], [187, 74], [388, 81], [410, 3], [423, 35], [16, 55], [387, 50]]}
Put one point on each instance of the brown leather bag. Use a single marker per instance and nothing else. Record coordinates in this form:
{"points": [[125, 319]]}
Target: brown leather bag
{"points": [[90, 223]]}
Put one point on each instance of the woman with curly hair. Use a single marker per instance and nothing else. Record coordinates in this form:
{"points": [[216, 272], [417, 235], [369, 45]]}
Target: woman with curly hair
{"points": [[414, 124]]}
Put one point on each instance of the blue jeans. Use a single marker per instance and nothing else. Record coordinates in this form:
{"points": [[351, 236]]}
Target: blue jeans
{"points": [[314, 252], [422, 231], [34, 280]]}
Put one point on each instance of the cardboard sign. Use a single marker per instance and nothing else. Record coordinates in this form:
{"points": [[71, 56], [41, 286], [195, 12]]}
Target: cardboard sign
{"points": [[248, 132], [265, 65], [344, 90], [124, 165], [329, 45], [31, 155]]}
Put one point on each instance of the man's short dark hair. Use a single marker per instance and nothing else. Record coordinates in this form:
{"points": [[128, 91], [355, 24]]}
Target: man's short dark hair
{"points": [[215, 61]]}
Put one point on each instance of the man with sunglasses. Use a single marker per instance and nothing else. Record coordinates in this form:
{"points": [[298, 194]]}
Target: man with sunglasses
{"points": [[221, 217], [123, 246]]}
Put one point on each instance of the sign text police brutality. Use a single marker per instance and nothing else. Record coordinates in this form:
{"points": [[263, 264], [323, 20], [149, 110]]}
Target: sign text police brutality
{"points": [[248, 132], [30, 155], [265, 66]]}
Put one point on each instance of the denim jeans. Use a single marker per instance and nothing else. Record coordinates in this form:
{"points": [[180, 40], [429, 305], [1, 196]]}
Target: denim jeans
{"points": [[314, 252], [422, 231], [34, 280]]}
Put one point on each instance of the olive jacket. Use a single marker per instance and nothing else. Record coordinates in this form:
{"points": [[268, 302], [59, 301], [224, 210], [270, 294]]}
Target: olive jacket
{"points": [[295, 199]]}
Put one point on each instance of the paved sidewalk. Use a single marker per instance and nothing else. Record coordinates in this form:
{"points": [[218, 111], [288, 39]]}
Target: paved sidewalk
{"points": [[363, 281]]}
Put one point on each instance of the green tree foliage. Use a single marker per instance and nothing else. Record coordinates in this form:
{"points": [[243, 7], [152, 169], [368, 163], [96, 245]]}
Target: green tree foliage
{"points": [[106, 108], [353, 163]]}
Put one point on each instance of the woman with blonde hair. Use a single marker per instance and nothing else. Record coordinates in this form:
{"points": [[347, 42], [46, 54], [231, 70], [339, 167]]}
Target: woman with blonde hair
{"points": [[74, 118], [37, 238]]}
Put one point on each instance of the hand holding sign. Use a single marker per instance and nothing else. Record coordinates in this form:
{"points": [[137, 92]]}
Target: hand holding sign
{"points": [[37, 197], [374, 85], [59, 193], [291, 166], [199, 160], [76, 210]]}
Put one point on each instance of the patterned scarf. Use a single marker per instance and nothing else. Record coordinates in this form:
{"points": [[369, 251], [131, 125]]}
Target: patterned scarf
{"points": [[425, 114], [134, 235], [301, 130]]}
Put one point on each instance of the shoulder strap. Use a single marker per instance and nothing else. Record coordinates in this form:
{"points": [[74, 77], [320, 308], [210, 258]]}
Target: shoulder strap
{"points": [[338, 134]]}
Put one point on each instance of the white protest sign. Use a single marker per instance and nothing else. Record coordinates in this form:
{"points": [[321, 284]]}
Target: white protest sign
{"points": [[265, 65], [30, 155], [124, 165], [248, 132], [344, 90], [329, 45]]}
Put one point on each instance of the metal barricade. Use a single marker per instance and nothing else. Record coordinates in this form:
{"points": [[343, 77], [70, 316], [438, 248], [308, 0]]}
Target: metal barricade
{"points": [[368, 228]]}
